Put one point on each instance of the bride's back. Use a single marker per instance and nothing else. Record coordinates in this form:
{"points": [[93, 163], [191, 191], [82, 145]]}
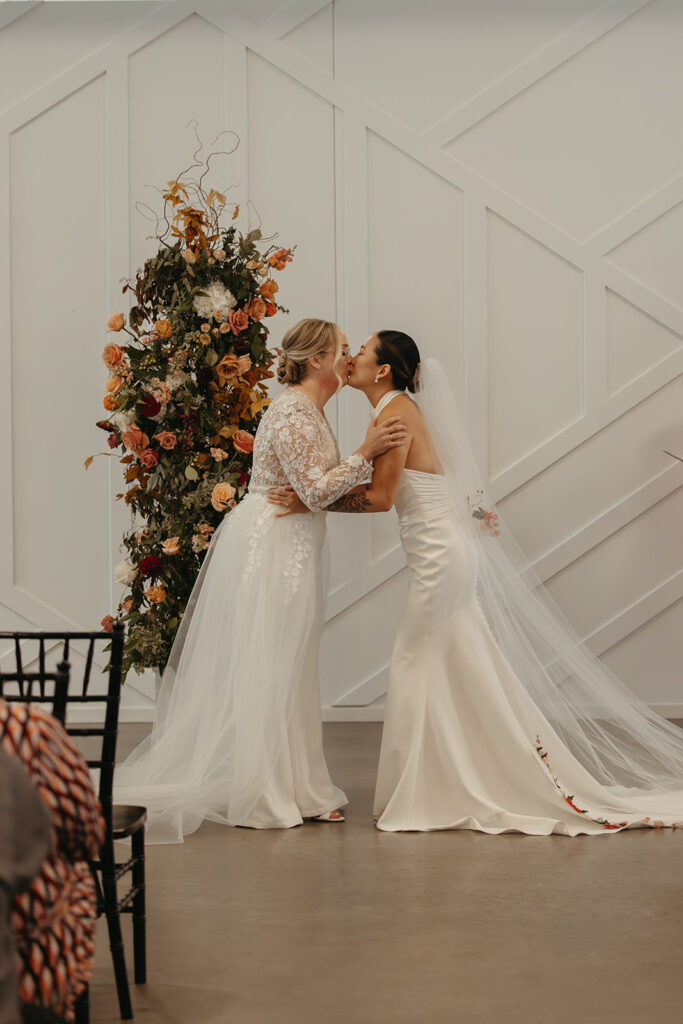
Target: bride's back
{"points": [[421, 456]]}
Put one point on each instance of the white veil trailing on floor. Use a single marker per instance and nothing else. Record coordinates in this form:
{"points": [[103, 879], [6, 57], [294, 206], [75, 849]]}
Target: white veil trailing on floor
{"points": [[615, 736]]}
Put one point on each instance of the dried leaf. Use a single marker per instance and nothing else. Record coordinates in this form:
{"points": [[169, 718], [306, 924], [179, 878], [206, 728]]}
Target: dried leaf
{"points": [[89, 460]]}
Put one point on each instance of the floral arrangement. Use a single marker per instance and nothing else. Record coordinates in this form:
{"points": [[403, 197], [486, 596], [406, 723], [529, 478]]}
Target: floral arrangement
{"points": [[488, 521], [184, 396]]}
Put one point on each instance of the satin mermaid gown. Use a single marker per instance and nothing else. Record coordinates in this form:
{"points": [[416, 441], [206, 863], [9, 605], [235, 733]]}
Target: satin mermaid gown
{"points": [[464, 746]]}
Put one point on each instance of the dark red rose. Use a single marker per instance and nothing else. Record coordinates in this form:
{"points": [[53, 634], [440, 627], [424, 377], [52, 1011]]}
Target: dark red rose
{"points": [[204, 376], [241, 478], [113, 441], [241, 347], [150, 407], [104, 425], [150, 566]]}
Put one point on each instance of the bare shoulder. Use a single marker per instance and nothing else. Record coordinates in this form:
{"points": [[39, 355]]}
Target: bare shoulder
{"points": [[402, 406]]}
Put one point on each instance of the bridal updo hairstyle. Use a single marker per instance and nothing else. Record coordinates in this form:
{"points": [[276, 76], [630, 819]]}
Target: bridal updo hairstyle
{"points": [[303, 340], [402, 355]]}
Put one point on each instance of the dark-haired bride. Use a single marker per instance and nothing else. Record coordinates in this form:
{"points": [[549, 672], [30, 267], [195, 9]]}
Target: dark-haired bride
{"points": [[237, 736], [498, 718]]}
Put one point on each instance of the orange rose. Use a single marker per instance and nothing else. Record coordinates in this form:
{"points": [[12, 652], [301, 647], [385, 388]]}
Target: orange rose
{"points": [[268, 289], [257, 310], [166, 439], [110, 403], [271, 309], [113, 385], [171, 546], [228, 368], [107, 623], [155, 594], [134, 439], [243, 441], [112, 356], [239, 320], [116, 322], [163, 328], [221, 495]]}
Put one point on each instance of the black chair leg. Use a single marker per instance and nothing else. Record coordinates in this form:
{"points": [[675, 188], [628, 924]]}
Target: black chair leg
{"points": [[82, 1007], [118, 956], [139, 938]]}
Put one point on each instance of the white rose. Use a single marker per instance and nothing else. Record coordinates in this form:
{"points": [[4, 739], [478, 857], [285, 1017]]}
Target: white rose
{"points": [[125, 572], [122, 420]]}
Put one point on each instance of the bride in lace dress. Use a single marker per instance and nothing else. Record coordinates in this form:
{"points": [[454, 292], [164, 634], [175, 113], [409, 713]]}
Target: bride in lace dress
{"points": [[237, 736], [498, 718]]}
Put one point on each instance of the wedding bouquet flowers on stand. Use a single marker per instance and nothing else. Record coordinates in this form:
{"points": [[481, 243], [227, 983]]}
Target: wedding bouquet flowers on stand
{"points": [[185, 394]]}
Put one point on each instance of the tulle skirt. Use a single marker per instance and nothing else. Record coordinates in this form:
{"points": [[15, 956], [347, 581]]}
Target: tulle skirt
{"points": [[237, 737]]}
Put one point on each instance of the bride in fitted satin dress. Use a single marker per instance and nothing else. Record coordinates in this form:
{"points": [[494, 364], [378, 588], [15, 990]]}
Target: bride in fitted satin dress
{"points": [[497, 718]]}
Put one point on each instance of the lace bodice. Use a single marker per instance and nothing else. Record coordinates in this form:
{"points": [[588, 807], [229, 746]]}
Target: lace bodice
{"points": [[295, 445]]}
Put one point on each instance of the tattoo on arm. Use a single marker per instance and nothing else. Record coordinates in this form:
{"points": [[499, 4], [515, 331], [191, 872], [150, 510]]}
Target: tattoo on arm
{"points": [[351, 503]]}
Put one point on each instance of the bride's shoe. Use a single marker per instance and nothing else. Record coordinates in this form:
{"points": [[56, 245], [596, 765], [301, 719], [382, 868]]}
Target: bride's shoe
{"points": [[329, 816]]}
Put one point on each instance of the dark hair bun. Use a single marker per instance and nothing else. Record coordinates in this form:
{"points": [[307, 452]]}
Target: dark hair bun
{"points": [[403, 356]]}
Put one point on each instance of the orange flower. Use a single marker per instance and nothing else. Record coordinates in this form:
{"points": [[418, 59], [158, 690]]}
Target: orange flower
{"points": [[134, 439], [126, 605], [228, 368], [243, 364], [116, 322], [113, 386], [243, 441], [221, 495], [268, 289], [166, 439], [171, 546], [271, 309], [107, 623], [163, 328], [155, 594], [112, 356], [280, 259], [238, 320], [257, 310], [110, 403]]}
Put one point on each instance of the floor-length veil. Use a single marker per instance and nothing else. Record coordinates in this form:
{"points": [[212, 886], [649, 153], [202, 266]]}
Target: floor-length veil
{"points": [[615, 736]]}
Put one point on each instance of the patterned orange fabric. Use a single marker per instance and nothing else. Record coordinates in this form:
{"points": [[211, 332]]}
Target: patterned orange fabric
{"points": [[54, 922]]}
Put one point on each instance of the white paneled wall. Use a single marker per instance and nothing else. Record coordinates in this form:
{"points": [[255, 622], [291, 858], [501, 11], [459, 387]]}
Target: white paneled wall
{"points": [[505, 182]]}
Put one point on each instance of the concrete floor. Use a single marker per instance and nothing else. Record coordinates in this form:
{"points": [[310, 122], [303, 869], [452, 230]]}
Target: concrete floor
{"points": [[342, 923]]}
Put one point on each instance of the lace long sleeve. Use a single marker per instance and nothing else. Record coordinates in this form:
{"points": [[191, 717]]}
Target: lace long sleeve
{"points": [[298, 445]]}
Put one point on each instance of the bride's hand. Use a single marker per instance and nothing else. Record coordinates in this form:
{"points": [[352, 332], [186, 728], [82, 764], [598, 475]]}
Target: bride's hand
{"points": [[381, 437], [288, 499]]}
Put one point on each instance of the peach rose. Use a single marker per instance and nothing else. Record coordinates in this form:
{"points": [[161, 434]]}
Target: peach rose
{"points": [[257, 310], [219, 254], [218, 454], [189, 256], [224, 328], [221, 495], [268, 289], [107, 623], [238, 320], [155, 594], [134, 439], [163, 328], [112, 356], [166, 439], [243, 364], [171, 546], [217, 315], [113, 385], [149, 458], [228, 368], [205, 529], [110, 403], [116, 322], [205, 328], [243, 441], [199, 543]]}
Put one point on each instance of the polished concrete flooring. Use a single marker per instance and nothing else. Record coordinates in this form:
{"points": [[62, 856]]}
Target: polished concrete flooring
{"points": [[342, 923]]}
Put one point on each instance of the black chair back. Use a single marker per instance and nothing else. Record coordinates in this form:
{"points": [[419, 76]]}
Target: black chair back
{"points": [[31, 647]]}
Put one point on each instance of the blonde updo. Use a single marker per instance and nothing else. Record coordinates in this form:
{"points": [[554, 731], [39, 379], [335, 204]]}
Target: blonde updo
{"points": [[307, 338]]}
